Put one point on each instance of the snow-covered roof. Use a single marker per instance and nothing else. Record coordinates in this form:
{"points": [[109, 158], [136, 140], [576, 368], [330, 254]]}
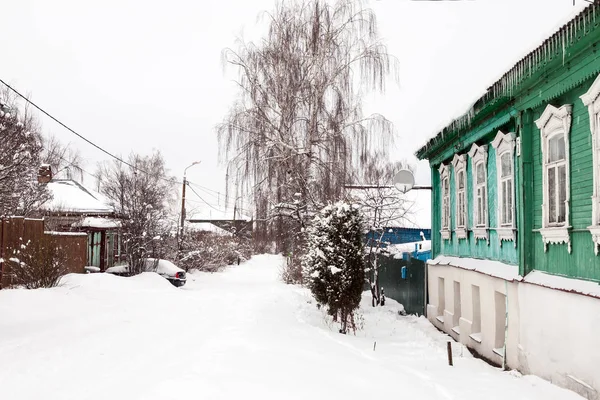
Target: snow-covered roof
{"points": [[97, 222], [206, 227], [400, 249], [557, 41], [70, 196], [493, 268]]}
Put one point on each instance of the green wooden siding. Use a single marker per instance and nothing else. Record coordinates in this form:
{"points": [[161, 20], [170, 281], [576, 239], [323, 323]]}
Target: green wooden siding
{"points": [[582, 262], [471, 247], [560, 77]]}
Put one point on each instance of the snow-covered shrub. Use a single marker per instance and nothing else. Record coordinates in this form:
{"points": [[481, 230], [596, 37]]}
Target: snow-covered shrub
{"points": [[333, 265], [207, 251], [38, 264]]}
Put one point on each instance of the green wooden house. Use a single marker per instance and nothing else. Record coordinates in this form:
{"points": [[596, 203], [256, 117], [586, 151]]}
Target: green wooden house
{"points": [[516, 214]]}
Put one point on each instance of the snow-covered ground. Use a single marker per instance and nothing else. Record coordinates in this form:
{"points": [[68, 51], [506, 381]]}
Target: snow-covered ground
{"points": [[231, 335]]}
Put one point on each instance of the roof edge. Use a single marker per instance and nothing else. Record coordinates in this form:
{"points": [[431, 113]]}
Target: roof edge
{"points": [[582, 25]]}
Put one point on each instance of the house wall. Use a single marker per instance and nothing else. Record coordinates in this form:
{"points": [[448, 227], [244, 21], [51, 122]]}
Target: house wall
{"points": [[582, 261], [494, 250], [561, 342], [445, 317], [551, 333]]}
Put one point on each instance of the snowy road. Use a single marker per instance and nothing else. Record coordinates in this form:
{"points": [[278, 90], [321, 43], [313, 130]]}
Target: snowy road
{"points": [[232, 335]]}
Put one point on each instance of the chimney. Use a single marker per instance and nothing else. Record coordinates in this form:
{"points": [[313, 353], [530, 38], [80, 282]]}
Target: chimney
{"points": [[44, 173]]}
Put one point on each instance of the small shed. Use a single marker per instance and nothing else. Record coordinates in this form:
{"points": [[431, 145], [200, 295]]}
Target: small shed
{"points": [[76, 208]]}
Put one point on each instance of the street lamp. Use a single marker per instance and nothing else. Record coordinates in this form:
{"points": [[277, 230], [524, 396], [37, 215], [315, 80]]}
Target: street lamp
{"points": [[180, 241]]}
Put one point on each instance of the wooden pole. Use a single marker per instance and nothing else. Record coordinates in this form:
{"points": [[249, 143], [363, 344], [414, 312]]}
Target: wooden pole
{"points": [[450, 353]]}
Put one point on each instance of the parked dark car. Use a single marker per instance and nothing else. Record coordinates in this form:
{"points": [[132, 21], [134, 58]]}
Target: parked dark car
{"points": [[164, 268]]}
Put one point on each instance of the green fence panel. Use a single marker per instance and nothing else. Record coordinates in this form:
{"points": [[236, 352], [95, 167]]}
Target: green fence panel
{"points": [[411, 291]]}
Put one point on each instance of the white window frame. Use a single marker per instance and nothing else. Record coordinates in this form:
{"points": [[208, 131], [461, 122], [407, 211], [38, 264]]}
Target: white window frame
{"points": [[504, 143], [479, 155], [555, 121], [445, 214], [591, 99], [460, 166]]}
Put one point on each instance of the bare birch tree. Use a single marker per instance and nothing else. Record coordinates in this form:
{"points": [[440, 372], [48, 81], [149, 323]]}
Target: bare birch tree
{"points": [[145, 199], [297, 129], [64, 159]]}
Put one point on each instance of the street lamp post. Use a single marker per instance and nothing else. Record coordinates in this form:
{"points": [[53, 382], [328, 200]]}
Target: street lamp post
{"points": [[180, 231]]}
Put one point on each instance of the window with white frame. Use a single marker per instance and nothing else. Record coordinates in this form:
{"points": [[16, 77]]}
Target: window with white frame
{"points": [[556, 173], [478, 156], [555, 127], [460, 175], [445, 181], [504, 144], [591, 99], [480, 193]]}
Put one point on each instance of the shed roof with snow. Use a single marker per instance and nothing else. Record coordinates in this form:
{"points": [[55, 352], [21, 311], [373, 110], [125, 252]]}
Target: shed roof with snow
{"points": [[69, 196]]}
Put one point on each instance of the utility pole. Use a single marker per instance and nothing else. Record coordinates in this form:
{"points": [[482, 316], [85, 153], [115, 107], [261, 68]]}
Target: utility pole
{"points": [[182, 222]]}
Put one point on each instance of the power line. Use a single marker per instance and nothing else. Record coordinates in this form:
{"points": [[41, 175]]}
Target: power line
{"points": [[200, 197], [135, 168], [207, 189], [67, 128]]}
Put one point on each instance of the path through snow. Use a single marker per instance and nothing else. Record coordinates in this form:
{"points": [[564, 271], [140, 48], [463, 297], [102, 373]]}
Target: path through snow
{"points": [[231, 335]]}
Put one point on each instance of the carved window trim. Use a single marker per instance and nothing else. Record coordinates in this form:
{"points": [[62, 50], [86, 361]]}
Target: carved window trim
{"points": [[591, 99], [479, 157], [504, 144], [553, 122], [461, 198], [445, 214]]}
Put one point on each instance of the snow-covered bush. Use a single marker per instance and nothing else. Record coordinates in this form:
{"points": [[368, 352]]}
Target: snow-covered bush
{"points": [[38, 264], [207, 251], [333, 265]]}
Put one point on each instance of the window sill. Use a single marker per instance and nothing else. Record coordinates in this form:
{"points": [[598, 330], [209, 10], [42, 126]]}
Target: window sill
{"points": [[507, 235], [440, 318], [482, 233], [499, 351], [456, 330], [461, 233], [595, 231], [556, 235], [446, 234], [476, 337]]}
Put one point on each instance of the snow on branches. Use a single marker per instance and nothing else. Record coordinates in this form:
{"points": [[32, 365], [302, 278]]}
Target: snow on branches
{"points": [[333, 265]]}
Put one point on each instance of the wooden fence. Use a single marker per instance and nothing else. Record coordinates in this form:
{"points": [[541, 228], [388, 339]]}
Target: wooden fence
{"points": [[16, 233]]}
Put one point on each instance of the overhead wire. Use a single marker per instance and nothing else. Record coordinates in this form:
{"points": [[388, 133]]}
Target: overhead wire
{"points": [[205, 202], [135, 168]]}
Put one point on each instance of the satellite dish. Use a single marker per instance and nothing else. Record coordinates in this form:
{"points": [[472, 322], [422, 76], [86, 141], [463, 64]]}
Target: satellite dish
{"points": [[404, 180]]}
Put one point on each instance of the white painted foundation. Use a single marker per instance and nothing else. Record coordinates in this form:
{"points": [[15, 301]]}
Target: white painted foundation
{"points": [[483, 320], [551, 333], [560, 338]]}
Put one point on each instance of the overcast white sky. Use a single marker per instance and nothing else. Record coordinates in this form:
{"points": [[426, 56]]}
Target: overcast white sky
{"points": [[138, 75]]}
